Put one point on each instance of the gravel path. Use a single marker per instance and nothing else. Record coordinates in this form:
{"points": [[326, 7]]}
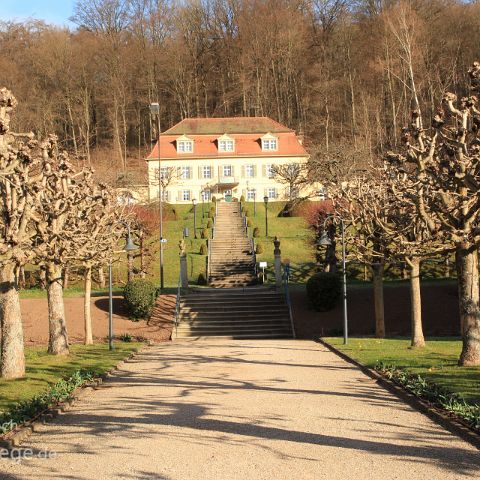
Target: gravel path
{"points": [[219, 410]]}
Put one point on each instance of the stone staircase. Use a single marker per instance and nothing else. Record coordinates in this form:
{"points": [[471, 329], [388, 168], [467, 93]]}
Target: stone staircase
{"points": [[233, 306], [231, 256], [251, 312]]}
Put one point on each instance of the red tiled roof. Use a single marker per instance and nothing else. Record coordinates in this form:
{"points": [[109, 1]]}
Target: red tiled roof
{"points": [[246, 144], [213, 126]]}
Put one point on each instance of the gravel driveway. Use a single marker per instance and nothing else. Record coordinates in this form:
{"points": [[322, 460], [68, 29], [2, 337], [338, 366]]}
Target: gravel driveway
{"points": [[243, 410]]}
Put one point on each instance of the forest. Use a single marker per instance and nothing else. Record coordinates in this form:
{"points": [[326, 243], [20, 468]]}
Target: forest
{"points": [[345, 73]]}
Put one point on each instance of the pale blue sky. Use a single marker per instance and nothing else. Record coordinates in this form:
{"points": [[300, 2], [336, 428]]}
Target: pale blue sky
{"points": [[52, 11]]}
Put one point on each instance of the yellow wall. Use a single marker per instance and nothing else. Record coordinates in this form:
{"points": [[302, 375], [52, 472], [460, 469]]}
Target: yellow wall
{"points": [[260, 182]]}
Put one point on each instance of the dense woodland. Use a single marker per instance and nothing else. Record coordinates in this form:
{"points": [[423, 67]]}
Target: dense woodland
{"points": [[346, 73]]}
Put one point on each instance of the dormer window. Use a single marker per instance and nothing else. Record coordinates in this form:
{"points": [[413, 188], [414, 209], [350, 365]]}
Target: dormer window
{"points": [[269, 143], [226, 144], [184, 144]]}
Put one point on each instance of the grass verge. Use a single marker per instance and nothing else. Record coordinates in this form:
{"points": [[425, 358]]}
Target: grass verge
{"points": [[45, 370], [436, 362]]}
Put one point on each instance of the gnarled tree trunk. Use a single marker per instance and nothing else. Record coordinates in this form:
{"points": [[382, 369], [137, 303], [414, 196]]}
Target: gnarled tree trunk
{"points": [[12, 350], [468, 296], [87, 307], [377, 270], [101, 277], [418, 340], [57, 327]]}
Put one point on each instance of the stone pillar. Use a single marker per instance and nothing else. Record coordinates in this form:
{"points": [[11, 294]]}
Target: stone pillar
{"points": [[278, 262], [183, 265]]}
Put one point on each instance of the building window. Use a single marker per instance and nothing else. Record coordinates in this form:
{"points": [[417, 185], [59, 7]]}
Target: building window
{"points": [[271, 192], [251, 194], [226, 146], [249, 171], [163, 172], [227, 170], [268, 171], [269, 144], [184, 146], [207, 171], [207, 195], [186, 195], [184, 173], [165, 195]]}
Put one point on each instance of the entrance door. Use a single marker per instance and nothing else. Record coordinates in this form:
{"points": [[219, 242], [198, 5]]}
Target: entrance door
{"points": [[228, 195]]}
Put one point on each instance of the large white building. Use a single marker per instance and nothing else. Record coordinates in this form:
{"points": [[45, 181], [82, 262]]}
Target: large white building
{"points": [[223, 157]]}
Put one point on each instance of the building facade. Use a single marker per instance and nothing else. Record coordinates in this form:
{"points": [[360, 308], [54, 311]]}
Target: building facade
{"points": [[223, 157]]}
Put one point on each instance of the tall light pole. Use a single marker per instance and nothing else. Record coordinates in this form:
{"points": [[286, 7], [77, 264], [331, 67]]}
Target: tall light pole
{"points": [[129, 247], [194, 201], [254, 202], [155, 112], [265, 201], [325, 240]]}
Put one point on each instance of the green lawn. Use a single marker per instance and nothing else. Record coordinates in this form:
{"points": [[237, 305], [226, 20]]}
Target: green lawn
{"points": [[437, 361], [43, 370]]}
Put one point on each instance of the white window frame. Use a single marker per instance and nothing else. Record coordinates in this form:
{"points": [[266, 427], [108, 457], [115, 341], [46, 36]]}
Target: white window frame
{"points": [[186, 195], [230, 168], [269, 144], [207, 195], [184, 146], [226, 145], [271, 192], [251, 194], [163, 172], [207, 171], [268, 170], [165, 195], [250, 171], [185, 172]]}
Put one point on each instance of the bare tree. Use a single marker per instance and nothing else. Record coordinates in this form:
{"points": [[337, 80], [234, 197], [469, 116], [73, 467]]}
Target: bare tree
{"points": [[444, 162]]}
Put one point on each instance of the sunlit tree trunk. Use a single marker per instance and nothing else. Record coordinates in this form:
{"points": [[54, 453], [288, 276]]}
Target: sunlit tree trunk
{"points": [[58, 337], [87, 306], [12, 351], [377, 270], [418, 339]]}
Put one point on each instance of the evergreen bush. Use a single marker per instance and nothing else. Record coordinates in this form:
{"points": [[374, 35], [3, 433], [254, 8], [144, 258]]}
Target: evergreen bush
{"points": [[259, 249], [204, 233], [249, 223], [209, 223], [324, 291], [256, 232], [140, 296], [203, 249], [202, 279]]}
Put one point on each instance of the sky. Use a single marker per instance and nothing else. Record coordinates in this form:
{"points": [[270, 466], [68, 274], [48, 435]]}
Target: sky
{"points": [[52, 11]]}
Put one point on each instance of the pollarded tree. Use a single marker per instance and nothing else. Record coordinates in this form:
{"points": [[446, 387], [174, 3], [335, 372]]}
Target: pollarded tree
{"points": [[361, 205], [99, 228], [20, 185], [58, 225], [444, 161]]}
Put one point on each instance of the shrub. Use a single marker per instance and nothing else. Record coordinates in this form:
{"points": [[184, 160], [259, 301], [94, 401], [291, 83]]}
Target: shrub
{"points": [[202, 279], [125, 337], [203, 249], [249, 223], [324, 290], [204, 233], [242, 199], [140, 296], [259, 249], [211, 214], [246, 212], [209, 223], [256, 232], [214, 199]]}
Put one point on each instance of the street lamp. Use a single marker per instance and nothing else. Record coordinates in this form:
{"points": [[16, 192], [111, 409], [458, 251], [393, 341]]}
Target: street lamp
{"points": [[265, 201], [194, 201], [129, 247], [325, 241], [254, 202], [155, 112]]}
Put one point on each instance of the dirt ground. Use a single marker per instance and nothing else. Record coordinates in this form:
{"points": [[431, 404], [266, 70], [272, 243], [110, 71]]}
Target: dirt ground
{"points": [[439, 308], [439, 311], [35, 319]]}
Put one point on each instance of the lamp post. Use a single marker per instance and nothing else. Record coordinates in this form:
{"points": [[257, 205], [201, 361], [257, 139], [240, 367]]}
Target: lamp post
{"points": [[129, 247], [203, 204], [155, 112], [265, 201], [325, 241], [194, 201], [254, 202]]}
